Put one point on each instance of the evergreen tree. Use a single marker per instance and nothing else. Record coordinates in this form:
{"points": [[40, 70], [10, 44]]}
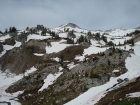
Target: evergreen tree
{"points": [[86, 74], [97, 36], [108, 62], [89, 42], [119, 43], [81, 39], [132, 42], [86, 39], [113, 48], [6, 30], [91, 74]]}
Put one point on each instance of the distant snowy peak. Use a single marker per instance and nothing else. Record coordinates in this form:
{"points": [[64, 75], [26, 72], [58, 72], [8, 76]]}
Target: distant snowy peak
{"points": [[72, 25]]}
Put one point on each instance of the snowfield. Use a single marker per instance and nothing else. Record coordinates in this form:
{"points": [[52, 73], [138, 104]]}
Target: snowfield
{"points": [[56, 47], [93, 50]]}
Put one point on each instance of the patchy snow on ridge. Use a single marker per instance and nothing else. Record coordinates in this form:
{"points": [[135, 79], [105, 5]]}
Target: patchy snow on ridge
{"points": [[49, 80], [94, 94]]}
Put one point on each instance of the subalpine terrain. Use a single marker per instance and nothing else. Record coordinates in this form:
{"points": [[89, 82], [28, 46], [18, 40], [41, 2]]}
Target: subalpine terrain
{"points": [[69, 65]]}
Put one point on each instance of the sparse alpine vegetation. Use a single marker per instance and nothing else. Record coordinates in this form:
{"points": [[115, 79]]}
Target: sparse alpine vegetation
{"points": [[69, 65]]}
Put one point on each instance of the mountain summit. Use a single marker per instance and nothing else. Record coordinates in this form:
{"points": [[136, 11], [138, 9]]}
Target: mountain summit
{"points": [[72, 25]]}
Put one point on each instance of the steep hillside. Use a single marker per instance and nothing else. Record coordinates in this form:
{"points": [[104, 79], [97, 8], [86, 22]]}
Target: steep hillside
{"points": [[54, 66]]}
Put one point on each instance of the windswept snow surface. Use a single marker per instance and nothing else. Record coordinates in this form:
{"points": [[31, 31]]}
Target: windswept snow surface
{"points": [[94, 94], [135, 94], [6, 79], [39, 37], [49, 80]]}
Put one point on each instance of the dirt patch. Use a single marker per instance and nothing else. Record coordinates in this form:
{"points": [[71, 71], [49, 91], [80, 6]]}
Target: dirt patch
{"points": [[18, 60], [69, 53]]}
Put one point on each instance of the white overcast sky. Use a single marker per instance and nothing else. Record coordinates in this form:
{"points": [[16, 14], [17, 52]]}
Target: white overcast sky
{"points": [[88, 14]]}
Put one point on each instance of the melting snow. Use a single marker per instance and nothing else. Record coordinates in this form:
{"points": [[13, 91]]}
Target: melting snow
{"points": [[94, 94], [49, 80]]}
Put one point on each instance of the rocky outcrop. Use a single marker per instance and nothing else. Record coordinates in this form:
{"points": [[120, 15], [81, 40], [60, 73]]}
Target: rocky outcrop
{"points": [[9, 41], [18, 60]]}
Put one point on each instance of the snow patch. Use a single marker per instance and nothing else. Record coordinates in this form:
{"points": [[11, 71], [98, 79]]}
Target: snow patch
{"points": [[33, 69], [56, 47], [38, 54], [3, 38], [114, 71], [49, 80], [132, 95], [9, 47], [37, 37]]}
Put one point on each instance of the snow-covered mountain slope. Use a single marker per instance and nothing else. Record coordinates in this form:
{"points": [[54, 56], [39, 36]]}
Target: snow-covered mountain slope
{"points": [[93, 95], [66, 59]]}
